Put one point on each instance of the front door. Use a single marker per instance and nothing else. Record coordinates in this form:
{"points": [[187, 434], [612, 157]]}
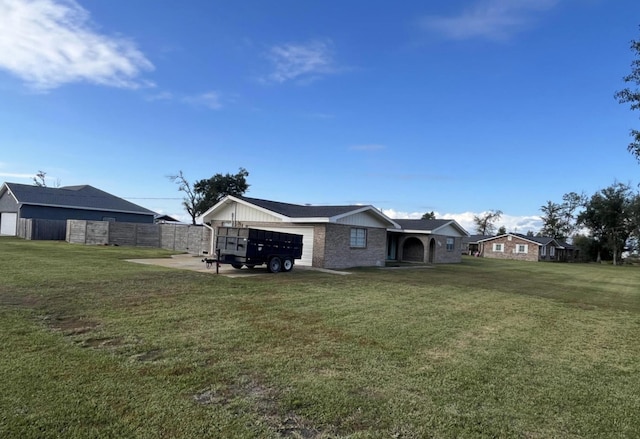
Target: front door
{"points": [[392, 247]]}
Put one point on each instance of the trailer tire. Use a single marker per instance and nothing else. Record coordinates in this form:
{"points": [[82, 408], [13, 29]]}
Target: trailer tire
{"points": [[287, 264], [274, 265], [236, 266]]}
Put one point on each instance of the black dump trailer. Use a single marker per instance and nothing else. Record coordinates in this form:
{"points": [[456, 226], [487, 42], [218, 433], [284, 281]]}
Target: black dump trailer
{"points": [[249, 247]]}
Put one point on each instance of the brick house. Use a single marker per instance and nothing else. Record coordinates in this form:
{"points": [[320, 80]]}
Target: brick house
{"points": [[526, 248], [344, 236]]}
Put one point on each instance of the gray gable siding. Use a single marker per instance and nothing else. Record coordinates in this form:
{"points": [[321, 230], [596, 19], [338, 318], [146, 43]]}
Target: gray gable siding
{"points": [[7, 203]]}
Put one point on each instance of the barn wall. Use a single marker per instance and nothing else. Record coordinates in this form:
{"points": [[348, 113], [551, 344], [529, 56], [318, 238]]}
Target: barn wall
{"points": [[61, 213]]}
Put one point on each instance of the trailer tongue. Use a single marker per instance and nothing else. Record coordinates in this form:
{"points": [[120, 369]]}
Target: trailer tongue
{"points": [[251, 247]]}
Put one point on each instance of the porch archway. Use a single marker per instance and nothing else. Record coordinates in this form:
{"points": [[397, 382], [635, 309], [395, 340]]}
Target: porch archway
{"points": [[413, 250]]}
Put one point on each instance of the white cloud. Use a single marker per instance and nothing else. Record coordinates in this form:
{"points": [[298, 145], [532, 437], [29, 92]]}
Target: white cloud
{"points": [[48, 43], [209, 99], [394, 214], [16, 175], [161, 96], [490, 19], [300, 62]]}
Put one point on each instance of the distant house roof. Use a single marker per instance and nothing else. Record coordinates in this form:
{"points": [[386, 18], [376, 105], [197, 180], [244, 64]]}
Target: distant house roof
{"points": [[541, 240], [474, 239], [165, 218], [74, 197]]}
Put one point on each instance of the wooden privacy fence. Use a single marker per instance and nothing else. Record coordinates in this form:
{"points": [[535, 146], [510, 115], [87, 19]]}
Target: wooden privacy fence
{"points": [[178, 237], [42, 229]]}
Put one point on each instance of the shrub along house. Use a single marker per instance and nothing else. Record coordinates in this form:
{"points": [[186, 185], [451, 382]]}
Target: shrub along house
{"points": [[343, 236], [527, 248], [56, 205]]}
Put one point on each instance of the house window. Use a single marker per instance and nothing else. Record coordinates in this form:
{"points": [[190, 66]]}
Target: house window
{"points": [[522, 248], [358, 238], [450, 244], [552, 251], [543, 250], [498, 248]]}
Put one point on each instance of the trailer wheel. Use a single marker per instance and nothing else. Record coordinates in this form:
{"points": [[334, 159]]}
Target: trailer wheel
{"points": [[237, 266], [287, 264], [275, 264]]}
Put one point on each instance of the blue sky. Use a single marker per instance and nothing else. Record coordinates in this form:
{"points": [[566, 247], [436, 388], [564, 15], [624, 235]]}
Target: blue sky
{"points": [[456, 107]]}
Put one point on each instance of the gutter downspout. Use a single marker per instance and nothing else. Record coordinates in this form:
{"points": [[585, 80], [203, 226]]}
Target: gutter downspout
{"points": [[212, 240]]}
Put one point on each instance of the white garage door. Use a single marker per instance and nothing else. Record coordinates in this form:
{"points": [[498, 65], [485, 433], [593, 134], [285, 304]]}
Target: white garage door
{"points": [[8, 222], [307, 241]]}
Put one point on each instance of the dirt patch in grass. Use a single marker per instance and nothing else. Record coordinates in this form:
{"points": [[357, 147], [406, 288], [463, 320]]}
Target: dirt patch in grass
{"points": [[9, 299], [104, 342], [152, 355], [70, 325], [264, 401]]}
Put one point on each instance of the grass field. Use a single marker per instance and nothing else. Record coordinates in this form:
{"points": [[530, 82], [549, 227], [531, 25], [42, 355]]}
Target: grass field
{"points": [[92, 346]]}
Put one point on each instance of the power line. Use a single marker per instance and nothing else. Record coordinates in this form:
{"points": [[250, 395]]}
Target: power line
{"points": [[151, 198]]}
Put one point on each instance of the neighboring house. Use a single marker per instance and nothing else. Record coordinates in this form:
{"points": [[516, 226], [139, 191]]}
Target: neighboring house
{"points": [[344, 236], [22, 201], [471, 244], [527, 248], [164, 219]]}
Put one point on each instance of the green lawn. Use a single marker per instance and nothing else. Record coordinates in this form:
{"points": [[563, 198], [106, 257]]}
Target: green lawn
{"points": [[92, 346]]}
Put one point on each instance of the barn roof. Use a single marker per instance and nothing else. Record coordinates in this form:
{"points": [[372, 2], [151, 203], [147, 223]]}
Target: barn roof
{"points": [[73, 197]]}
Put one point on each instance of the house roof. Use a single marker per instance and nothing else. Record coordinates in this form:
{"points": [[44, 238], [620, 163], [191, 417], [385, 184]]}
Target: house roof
{"points": [[332, 213], [302, 212], [540, 240], [474, 239], [74, 197], [429, 225]]}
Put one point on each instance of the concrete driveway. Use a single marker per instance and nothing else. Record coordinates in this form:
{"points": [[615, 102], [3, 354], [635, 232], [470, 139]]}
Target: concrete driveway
{"points": [[194, 263]]}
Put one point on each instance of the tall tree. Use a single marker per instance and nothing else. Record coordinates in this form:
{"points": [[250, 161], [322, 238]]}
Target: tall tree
{"points": [[219, 186], [502, 231], [632, 96], [571, 202], [40, 180], [609, 215], [429, 216], [191, 198], [552, 220], [204, 194], [485, 223]]}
